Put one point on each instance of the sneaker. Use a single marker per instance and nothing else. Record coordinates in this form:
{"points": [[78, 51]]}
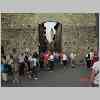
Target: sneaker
{"points": [[35, 78], [50, 71]]}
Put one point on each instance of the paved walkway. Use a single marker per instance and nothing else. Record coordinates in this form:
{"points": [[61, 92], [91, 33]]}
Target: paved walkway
{"points": [[60, 77]]}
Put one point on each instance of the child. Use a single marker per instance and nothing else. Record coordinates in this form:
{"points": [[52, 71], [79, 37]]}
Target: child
{"points": [[35, 65]]}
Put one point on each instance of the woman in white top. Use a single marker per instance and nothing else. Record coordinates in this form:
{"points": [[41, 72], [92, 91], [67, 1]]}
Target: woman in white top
{"points": [[95, 75], [64, 59]]}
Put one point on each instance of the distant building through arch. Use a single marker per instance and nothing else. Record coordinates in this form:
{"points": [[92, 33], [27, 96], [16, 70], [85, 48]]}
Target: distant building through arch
{"points": [[50, 35]]}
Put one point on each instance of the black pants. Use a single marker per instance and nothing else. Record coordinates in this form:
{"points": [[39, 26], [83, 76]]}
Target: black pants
{"points": [[21, 69], [41, 64], [88, 63], [95, 85], [9, 67], [51, 65], [28, 63], [35, 71], [64, 62]]}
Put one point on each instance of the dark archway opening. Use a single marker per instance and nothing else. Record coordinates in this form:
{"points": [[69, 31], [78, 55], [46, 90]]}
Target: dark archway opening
{"points": [[55, 45]]}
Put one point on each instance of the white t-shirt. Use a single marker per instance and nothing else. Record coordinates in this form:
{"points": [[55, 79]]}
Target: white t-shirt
{"points": [[64, 57], [21, 59], [56, 55], [91, 55], [96, 67], [51, 57], [34, 61], [72, 56], [29, 58], [27, 49]]}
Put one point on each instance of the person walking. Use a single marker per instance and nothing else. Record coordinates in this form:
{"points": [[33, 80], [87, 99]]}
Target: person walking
{"points": [[91, 57], [72, 59], [15, 68], [21, 64], [64, 59], [27, 66], [46, 57], [51, 61], [88, 61], [95, 74], [41, 60], [56, 58], [35, 65]]}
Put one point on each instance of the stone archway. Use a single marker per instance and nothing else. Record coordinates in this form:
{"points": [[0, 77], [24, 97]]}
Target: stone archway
{"points": [[53, 42]]}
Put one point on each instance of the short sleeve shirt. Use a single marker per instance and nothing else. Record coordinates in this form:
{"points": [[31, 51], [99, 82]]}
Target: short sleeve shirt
{"points": [[96, 67], [64, 57]]}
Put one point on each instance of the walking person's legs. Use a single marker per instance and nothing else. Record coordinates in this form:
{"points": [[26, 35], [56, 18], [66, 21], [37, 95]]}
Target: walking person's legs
{"points": [[36, 73], [71, 62], [88, 64], [21, 71], [33, 71], [64, 63], [4, 77], [51, 65], [38, 69]]}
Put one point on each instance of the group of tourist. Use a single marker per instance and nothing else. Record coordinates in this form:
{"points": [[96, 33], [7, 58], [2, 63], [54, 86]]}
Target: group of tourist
{"points": [[30, 64], [19, 66], [93, 63]]}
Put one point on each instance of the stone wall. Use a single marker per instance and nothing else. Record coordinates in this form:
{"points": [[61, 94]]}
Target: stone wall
{"points": [[21, 30]]}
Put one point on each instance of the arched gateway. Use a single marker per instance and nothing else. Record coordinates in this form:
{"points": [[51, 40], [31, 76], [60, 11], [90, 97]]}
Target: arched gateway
{"points": [[50, 36]]}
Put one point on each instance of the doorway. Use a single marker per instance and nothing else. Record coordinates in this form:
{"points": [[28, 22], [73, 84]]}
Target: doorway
{"points": [[50, 36]]}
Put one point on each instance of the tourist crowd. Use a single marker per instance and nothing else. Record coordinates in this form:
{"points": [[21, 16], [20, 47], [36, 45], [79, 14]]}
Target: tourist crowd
{"points": [[29, 65]]}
